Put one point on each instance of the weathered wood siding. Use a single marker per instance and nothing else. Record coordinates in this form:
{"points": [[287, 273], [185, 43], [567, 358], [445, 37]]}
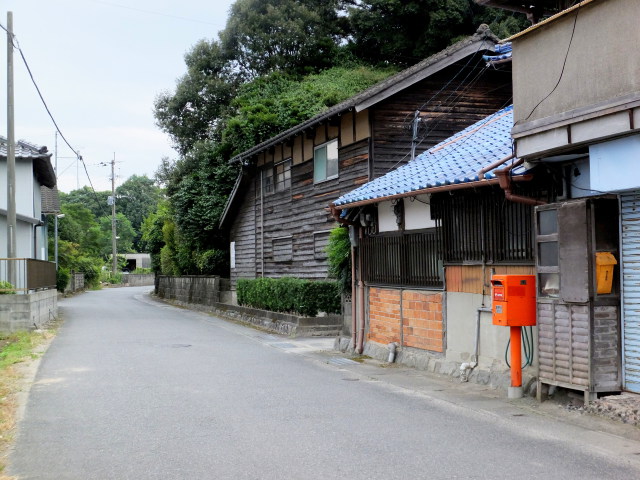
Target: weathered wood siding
{"points": [[579, 348], [243, 232], [296, 221], [444, 113], [468, 278]]}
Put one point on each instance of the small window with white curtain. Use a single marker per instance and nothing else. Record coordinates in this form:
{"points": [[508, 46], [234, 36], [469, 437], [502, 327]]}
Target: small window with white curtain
{"points": [[325, 162]]}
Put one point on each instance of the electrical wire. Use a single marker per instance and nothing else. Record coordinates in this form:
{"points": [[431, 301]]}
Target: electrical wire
{"points": [[446, 85], [528, 345], [564, 64], [15, 44], [437, 123]]}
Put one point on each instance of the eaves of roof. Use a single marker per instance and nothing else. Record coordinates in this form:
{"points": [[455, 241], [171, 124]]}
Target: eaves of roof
{"points": [[40, 157], [482, 40]]}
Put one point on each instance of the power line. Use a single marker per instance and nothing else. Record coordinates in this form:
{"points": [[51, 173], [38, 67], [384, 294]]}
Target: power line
{"points": [[111, 4], [564, 64], [15, 44]]}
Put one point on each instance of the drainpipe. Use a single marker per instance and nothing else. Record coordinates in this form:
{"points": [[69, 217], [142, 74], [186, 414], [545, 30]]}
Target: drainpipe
{"points": [[360, 343], [502, 161], [466, 367], [335, 213], [504, 179]]}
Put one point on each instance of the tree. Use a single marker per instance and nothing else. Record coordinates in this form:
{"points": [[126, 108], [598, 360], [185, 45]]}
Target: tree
{"points": [[293, 36], [137, 197], [403, 32], [124, 232], [192, 113], [152, 240], [88, 198], [80, 227]]}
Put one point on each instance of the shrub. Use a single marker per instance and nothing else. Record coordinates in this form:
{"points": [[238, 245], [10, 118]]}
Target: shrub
{"points": [[62, 279], [6, 288], [339, 257], [142, 271], [292, 295], [211, 262]]}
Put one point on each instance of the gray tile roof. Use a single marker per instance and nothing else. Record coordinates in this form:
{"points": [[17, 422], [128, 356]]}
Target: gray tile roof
{"points": [[39, 155]]}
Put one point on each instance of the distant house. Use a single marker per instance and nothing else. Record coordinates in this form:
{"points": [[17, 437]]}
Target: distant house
{"points": [[428, 236], [36, 197], [29, 272], [277, 216]]}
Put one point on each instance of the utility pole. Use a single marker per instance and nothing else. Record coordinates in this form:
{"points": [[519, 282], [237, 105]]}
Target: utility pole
{"points": [[114, 250], [11, 158], [55, 215], [414, 132]]}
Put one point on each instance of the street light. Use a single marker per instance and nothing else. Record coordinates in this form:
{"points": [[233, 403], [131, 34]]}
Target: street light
{"points": [[60, 215]]}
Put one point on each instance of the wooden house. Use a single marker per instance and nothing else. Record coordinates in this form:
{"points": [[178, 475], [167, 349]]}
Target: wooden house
{"points": [[427, 238], [277, 214]]}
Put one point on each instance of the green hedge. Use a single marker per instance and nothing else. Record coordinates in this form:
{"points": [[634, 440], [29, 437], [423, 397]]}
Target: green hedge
{"points": [[290, 295]]}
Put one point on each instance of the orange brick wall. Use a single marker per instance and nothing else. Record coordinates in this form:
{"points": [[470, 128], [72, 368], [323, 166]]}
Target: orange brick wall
{"points": [[422, 320], [384, 315], [419, 313]]}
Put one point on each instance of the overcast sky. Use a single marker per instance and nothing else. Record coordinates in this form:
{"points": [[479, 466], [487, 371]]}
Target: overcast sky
{"points": [[99, 65]]}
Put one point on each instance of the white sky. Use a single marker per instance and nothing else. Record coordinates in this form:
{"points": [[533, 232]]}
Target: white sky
{"points": [[99, 65]]}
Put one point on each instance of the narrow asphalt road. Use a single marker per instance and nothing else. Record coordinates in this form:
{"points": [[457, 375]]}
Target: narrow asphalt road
{"points": [[135, 389]]}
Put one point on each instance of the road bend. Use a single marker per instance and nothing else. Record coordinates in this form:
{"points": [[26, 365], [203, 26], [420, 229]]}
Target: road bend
{"points": [[135, 389]]}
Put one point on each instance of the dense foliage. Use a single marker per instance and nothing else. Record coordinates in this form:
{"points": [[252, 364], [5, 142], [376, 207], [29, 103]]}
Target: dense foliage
{"points": [[339, 257], [84, 232], [290, 295], [275, 65]]}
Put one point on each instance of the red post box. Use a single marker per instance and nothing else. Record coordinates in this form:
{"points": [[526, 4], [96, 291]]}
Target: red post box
{"points": [[514, 306], [514, 300]]}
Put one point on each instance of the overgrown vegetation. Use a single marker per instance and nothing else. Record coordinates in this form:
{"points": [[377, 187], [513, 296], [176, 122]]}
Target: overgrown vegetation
{"points": [[289, 295], [339, 257], [275, 65], [6, 288], [14, 349]]}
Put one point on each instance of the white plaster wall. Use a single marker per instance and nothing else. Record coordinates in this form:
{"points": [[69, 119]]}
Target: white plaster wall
{"points": [[24, 188], [613, 165], [417, 215], [24, 239], [461, 324], [386, 218]]}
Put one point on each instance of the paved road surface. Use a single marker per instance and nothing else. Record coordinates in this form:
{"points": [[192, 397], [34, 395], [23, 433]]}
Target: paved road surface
{"points": [[133, 389]]}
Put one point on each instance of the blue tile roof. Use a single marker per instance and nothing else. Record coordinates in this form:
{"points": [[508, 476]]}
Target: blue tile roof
{"points": [[453, 161]]}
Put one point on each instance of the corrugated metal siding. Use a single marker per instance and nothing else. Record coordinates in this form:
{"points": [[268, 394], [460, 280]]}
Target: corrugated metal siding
{"points": [[631, 289]]}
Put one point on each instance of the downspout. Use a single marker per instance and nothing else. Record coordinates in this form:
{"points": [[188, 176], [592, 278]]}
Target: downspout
{"points": [[504, 179], [262, 223], [500, 162], [335, 213], [360, 343]]}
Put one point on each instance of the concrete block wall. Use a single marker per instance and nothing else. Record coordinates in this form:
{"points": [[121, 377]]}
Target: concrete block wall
{"points": [[202, 290], [138, 280], [28, 311], [412, 318], [76, 282]]}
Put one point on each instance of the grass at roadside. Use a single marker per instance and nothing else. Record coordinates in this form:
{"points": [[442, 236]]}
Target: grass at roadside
{"points": [[15, 350]]}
